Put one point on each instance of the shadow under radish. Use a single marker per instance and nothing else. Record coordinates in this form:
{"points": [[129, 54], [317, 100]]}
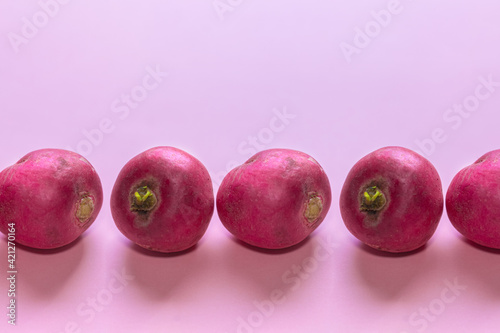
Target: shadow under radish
{"points": [[479, 267], [159, 276], [258, 272], [143, 251], [45, 273], [390, 276], [271, 251]]}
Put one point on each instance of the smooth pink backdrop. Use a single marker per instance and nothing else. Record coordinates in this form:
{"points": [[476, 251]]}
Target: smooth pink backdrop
{"points": [[222, 79]]}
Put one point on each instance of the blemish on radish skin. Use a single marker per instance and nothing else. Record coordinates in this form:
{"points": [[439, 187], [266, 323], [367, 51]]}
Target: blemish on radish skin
{"points": [[313, 160], [83, 159], [236, 173]]}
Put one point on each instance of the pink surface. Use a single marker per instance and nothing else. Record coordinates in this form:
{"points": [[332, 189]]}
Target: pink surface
{"points": [[222, 79]]}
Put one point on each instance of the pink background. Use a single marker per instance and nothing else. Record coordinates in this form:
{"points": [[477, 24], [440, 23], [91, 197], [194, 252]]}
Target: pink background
{"points": [[226, 69]]}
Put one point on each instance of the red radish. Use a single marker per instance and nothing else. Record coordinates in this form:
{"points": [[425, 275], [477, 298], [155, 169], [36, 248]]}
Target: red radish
{"points": [[163, 200], [392, 200], [473, 200], [51, 195], [275, 199]]}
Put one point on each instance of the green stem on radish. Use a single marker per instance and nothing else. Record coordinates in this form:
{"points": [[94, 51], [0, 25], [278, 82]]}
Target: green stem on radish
{"points": [[143, 200], [373, 199]]}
